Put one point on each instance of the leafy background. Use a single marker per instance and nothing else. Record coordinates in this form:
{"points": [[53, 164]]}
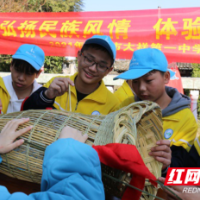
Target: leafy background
{"points": [[53, 64]]}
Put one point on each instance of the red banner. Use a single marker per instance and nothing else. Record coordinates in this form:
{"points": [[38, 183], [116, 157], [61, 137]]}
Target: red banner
{"points": [[174, 31]]}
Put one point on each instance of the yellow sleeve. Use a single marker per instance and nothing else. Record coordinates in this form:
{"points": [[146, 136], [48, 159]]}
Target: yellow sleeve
{"points": [[118, 94], [115, 107], [126, 102], [123, 92]]}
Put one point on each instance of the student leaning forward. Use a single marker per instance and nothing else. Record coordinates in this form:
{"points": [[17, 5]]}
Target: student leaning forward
{"points": [[124, 92], [149, 74], [25, 67], [89, 95]]}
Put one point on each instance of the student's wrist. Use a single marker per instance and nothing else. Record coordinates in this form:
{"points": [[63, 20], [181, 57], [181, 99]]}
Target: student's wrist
{"points": [[46, 94], [45, 98]]}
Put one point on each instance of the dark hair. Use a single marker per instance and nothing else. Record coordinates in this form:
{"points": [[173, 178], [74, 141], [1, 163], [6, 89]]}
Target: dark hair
{"points": [[153, 71], [97, 47], [23, 66]]}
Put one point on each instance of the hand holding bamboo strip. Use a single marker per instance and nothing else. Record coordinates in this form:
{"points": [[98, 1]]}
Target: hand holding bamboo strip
{"points": [[139, 124]]}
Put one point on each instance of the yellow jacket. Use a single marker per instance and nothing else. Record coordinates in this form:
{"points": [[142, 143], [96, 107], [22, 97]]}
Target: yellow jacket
{"points": [[180, 128], [101, 101], [4, 96], [123, 92]]}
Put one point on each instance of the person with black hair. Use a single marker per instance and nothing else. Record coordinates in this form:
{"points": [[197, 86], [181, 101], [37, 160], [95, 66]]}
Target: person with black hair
{"points": [[89, 95], [149, 74], [25, 68]]}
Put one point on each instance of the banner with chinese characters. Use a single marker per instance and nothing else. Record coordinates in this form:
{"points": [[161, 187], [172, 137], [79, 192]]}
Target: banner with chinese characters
{"points": [[174, 31]]}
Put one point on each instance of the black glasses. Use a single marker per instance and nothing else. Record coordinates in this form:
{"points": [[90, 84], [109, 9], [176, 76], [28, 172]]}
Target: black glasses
{"points": [[100, 67]]}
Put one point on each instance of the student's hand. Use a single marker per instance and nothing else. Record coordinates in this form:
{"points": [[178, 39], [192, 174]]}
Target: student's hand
{"points": [[58, 87], [68, 132], [178, 190], [9, 134], [162, 152]]}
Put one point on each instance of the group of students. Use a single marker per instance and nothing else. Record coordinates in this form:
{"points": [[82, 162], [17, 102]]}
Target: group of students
{"points": [[145, 80]]}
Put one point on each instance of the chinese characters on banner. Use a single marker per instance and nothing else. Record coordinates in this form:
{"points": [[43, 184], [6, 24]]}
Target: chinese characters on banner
{"points": [[174, 31]]}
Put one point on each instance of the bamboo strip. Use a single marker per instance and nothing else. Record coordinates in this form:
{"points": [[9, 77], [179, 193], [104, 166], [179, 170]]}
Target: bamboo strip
{"points": [[138, 124]]}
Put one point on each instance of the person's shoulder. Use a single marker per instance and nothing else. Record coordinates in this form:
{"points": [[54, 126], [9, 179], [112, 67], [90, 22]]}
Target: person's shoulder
{"points": [[183, 114], [120, 94], [127, 101], [1, 81], [119, 90], [112, 97], [111, 101], [183, 118]]}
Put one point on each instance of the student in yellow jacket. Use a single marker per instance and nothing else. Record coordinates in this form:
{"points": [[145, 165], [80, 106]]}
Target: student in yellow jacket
{"points": [[191, 159], [124, 92], [24, 68], [89, 95], [149, 74]]}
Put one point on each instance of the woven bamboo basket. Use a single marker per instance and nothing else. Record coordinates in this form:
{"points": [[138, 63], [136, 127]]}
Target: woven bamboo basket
{"points": [[139, 124]]}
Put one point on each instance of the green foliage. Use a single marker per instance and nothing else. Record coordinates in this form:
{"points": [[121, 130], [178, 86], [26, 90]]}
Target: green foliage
{"points": [[5, 61], [187, 92], [40, 5], [51, 5], [78, 6], [196, 70], [52, 64]]}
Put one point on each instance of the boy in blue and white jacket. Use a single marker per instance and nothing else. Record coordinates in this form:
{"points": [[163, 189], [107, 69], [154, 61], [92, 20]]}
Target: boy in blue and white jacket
{"points": [[71, 169]]}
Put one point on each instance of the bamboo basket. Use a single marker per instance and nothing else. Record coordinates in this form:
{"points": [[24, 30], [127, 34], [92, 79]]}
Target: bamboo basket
{"points": [[139, 124]]}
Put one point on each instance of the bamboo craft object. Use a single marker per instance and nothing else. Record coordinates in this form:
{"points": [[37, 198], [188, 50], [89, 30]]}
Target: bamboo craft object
{"points": [[139, 124]]}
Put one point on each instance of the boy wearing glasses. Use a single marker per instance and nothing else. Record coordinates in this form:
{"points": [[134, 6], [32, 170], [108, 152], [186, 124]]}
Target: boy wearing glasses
{"points": [[89, 95], [25, 68]]}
